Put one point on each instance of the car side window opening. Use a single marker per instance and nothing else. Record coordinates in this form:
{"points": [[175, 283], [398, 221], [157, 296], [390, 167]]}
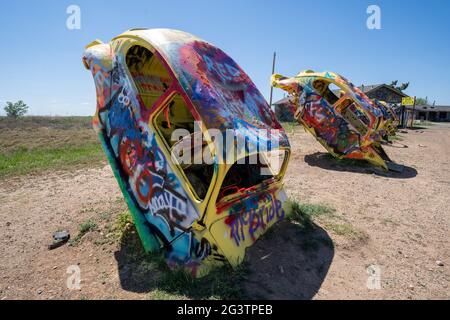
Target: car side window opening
{"points": [[354, 115], [149, 74], [322, 88], [345, 106], [176, 126]]}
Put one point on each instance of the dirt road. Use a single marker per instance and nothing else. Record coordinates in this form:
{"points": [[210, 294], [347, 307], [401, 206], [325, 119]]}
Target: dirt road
{"points": [[396, 225]]}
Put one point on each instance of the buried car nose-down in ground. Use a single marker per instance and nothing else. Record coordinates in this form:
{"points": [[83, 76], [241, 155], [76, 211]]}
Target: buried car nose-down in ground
{"points": [[345, 121], [154, 85]]}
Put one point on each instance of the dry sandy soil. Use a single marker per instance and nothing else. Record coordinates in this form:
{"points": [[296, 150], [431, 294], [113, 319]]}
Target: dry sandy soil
{"points": [[396, 223]]}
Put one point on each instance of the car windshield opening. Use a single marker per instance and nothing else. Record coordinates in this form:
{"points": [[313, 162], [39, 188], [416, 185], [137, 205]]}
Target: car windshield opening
{"points": [[253, 170]]}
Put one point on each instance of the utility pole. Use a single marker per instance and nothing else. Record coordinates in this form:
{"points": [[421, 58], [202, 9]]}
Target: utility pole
{"points": [[413, 113], [273, 71], [404, 116]]}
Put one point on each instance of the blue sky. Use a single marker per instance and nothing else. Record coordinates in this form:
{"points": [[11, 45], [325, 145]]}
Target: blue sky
{"points": [[41, 64]]}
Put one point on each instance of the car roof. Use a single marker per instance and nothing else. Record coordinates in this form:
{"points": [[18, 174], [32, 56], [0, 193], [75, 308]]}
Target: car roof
{"points": [[345, 84], [222, 93]]}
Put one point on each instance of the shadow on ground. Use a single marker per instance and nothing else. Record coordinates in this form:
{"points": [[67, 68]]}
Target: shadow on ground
{"points": [[138, 271], [288, 262], [142, 272], [328, 162]]}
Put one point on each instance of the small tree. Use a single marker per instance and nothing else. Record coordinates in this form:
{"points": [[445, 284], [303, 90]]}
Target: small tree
{"points": [[15, 110], [401, 88], [421, 101]]}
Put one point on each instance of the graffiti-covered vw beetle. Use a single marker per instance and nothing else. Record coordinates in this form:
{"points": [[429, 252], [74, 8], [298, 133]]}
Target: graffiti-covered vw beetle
{"points": [[392, 121], [196, 150], [341, 117]]}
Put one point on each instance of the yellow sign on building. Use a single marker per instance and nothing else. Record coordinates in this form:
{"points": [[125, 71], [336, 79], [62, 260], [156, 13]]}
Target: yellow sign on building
{"points": [[407, 101]]}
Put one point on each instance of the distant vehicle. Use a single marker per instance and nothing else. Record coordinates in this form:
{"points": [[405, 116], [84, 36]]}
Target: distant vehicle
{"points": [[341, 117], [154, 83]]}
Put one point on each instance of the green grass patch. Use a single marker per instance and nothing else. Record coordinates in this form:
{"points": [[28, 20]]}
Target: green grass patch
{"points": [[222, 283], [346, 230], [36, 144], [85, 227], [23, 161], [395, 138], [124, 222], [63, 123], [303, 214]]}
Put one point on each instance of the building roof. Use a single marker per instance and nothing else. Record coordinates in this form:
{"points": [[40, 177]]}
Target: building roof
{"points": [[282, 101], [436, 108], [372, 87], [366, 88]]}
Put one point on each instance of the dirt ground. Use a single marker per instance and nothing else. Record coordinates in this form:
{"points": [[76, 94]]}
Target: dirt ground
{"points": [[395, 224]]}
